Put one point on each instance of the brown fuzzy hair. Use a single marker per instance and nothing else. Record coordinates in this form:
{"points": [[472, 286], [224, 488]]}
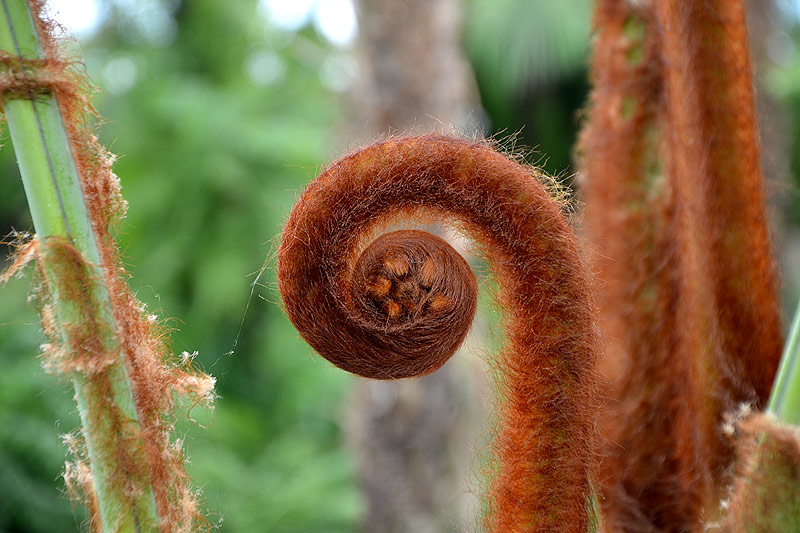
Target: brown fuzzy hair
{"points": [[731, 334], [546, 371], [675, 210], [719, 190], [628, 218]]}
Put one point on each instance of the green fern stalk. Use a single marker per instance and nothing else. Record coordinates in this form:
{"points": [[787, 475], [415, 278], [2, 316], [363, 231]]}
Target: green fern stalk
{"points": [[52, 186], [784, 401]]}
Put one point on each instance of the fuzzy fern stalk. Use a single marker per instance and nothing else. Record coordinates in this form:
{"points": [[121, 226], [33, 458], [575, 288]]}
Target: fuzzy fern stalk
{"points": [[400, 305], [125, 466], [627, 216], [676, 211], [732, 342]]}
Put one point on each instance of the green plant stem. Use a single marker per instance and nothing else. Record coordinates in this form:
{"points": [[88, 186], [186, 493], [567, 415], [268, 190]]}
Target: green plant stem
{"points": [[784, 402], [52, 186]]}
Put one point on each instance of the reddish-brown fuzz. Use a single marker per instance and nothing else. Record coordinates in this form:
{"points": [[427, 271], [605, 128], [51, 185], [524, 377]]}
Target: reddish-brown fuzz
{"points": [[676, 213], [732, 338], [546, 384], [629, 214]]}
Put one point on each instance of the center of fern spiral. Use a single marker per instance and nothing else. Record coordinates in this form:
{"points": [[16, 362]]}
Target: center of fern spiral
{"points": [[409, 274]]}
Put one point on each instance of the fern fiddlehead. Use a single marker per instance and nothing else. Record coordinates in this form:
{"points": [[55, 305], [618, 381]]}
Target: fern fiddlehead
{"points": [[391, 311]]}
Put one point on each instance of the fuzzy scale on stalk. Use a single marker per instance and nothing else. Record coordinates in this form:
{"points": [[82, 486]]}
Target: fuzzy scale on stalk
{"points": [[403, 306]]}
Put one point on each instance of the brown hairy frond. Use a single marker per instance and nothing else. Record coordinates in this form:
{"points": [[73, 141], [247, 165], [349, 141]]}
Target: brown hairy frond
{"points": [[731, 333], [675, 214], [400, 306], [628, 219]]}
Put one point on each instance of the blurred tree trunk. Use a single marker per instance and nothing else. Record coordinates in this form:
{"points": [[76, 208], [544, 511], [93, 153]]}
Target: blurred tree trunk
{"points": [[763, 25], [765, 29], [413, 73], [413, 438]]}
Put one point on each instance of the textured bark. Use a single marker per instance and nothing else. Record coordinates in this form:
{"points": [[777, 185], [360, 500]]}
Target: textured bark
{"points": [[413, 73]]}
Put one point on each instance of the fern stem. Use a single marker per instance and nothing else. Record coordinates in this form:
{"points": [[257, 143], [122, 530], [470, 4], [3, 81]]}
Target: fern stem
{"points": [[377, 315], [784, 402], [52, 185]]}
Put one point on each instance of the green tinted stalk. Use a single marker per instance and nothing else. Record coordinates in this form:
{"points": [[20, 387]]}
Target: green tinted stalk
{"points": [[52, 186], [784, 402]]}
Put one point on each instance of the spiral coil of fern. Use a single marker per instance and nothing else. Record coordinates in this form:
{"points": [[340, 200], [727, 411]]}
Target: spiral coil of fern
{"points": [[401, 306]]}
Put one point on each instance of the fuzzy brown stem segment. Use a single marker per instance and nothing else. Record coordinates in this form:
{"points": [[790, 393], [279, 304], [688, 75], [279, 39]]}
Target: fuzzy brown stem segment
{"points": [[629, 219], [690, 308], [342, 303], [731, 342]]}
